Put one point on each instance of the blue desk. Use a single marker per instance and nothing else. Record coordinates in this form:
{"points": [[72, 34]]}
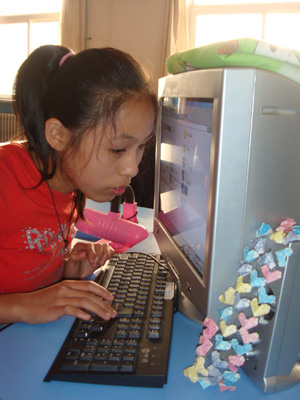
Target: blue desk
{"points": [[27, 351]]}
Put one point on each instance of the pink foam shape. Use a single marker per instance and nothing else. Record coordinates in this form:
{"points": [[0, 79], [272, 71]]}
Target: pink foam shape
{"points": [[235, 361], [286, 225], [211, 328], [248, 337], [223, 387], [247, 323], [270, 276], [203, 349], [233, 367]]}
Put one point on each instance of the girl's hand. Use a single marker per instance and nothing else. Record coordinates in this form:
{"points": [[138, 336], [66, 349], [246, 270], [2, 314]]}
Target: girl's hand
{"points": [[75, 298], [85, 258]]}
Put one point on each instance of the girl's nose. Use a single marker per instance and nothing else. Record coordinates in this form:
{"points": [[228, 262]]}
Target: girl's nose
{"points": [[130, 166]]}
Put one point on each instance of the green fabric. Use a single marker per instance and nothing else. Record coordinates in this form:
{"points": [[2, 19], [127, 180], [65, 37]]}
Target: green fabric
{"points": [[244, 52]]}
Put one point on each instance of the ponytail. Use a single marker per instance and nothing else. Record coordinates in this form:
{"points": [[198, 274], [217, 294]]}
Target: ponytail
{"points": [[30, 88]]}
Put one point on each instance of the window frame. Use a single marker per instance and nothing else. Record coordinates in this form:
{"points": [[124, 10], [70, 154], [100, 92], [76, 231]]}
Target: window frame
{"points": [[30, 19], [250, 8]]}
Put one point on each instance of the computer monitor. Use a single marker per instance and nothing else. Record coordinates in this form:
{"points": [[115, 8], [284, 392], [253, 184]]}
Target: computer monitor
{"points": [[227, 159]]}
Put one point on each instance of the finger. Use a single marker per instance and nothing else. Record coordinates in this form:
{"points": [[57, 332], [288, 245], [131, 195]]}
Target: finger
{"points": [[77, 255], [87, 297], [74, 312], [104, 252], [87, 286], [92, 304], [81, 250]]}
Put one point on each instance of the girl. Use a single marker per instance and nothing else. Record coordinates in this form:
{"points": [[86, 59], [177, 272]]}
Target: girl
{"points": [[87, 119]]}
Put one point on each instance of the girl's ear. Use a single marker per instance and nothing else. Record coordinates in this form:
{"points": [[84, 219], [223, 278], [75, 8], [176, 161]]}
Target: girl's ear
{"points": [[56, 134]]}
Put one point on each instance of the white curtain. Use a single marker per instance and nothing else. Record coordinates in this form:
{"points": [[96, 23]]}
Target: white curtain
{"points": [[73, 24], [177, 28]]}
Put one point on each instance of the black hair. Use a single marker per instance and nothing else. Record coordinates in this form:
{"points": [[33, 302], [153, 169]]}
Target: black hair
{"points": [[87, 89]]}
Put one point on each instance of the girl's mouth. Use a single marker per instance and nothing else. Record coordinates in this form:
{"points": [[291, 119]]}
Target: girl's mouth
{"points": [[118, 191]]}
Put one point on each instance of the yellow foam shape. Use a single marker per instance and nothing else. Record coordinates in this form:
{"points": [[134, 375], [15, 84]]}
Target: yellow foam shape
{"points": [[191, 373], [199, 366], [257, 309], [241, 286], [227, 330], [229, 296], [278, 236]]}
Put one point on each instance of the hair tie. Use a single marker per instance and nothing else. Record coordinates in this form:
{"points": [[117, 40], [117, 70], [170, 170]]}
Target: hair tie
{"points": [[63, 59]]}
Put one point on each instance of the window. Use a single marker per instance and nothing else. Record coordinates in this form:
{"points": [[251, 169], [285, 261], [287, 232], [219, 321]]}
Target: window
{"points": [[277, 22], [24, 26]]}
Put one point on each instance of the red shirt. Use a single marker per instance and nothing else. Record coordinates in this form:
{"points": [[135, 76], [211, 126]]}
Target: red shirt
{"points": [[31, 244]]}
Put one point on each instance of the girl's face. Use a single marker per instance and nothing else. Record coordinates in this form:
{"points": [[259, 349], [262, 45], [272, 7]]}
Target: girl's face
{"points": [[105, 162]]}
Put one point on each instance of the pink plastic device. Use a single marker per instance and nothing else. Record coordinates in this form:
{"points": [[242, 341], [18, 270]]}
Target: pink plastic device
{"points": [[118, 232]]}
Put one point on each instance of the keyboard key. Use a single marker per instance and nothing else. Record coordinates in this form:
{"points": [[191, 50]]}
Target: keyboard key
{"points": [[129, 356], [125, 312], [153, 334], [105, 366], [127, 366], [100, 356], [75, 366]]}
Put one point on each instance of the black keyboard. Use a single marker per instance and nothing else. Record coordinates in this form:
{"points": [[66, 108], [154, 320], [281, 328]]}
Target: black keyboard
{"points": [[132, 349]]}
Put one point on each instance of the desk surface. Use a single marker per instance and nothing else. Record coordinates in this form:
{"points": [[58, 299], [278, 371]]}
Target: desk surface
{"points": [[27, 351]]}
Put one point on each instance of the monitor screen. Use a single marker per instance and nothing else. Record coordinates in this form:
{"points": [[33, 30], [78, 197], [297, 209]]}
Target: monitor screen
{"points": [[186, 139]]}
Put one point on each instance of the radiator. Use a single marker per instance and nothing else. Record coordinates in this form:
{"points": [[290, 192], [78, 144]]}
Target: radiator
{"points": [[8, 126]]}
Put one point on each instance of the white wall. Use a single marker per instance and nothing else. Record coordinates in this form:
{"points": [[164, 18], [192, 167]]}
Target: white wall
{"points": [[134, 26]]}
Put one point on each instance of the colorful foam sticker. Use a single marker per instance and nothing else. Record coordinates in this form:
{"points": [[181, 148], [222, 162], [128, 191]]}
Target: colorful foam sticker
{"points": [[247, 323], [204, 382], [278, 237], [259, 309], [240, 349], [199, 366], [241, 286], [225, 313], [211, 328], [264, 230], [227, 330], [282, 256], [286, 225], [296, 229], [221, 344], [191, 373], [204, 347], [248, 337], [229, 296], [230, 377], [267, 259], [224, 387], [214, 363], [255, 280], [263, 297], [292, 237], [235, 362], [250, 255], [240, 303], [217, 362], [215, 374], [259, 245], [270, 276], [244, 269]]}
